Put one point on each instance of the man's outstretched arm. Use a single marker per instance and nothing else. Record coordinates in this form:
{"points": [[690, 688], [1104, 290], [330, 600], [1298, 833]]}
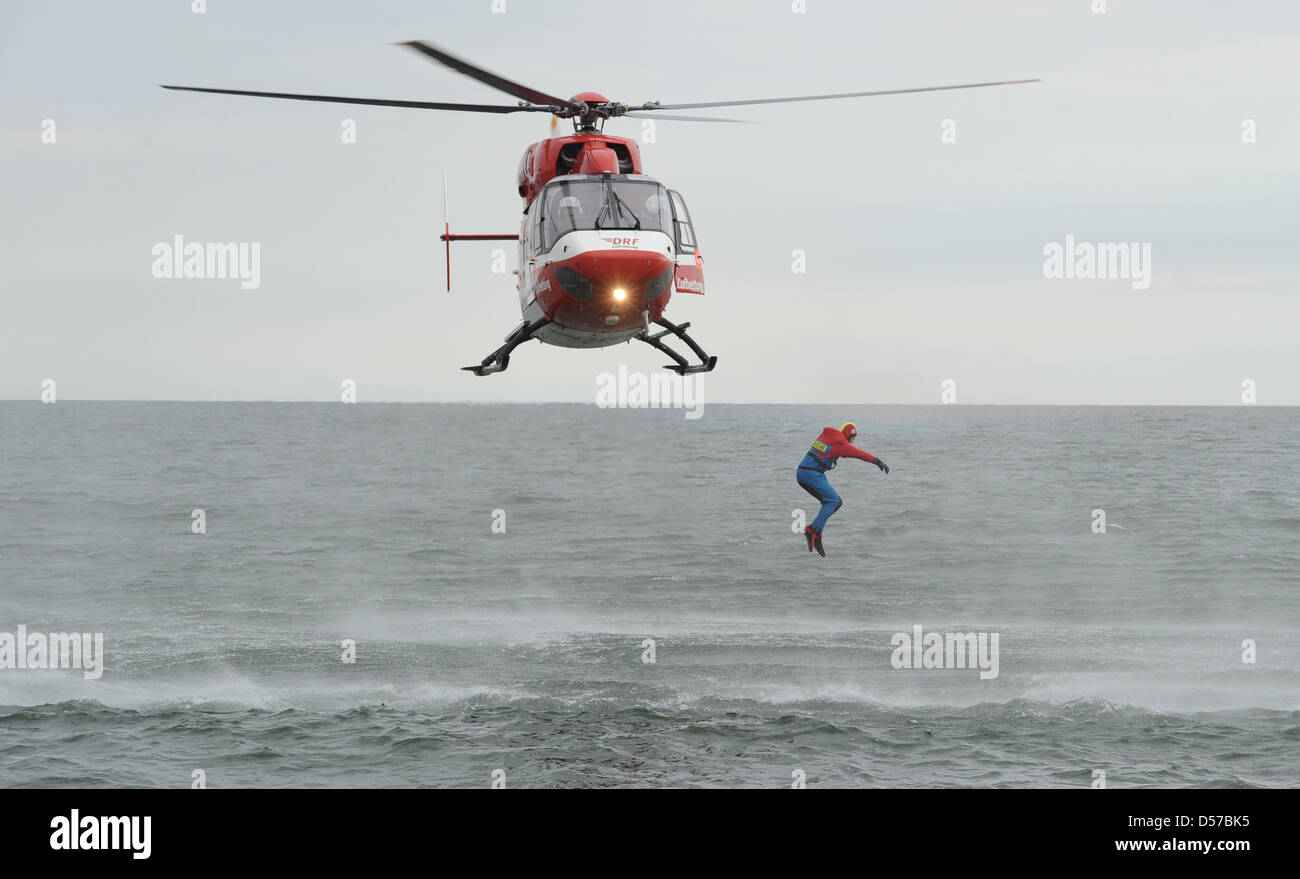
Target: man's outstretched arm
{"points": [[847, 450]]}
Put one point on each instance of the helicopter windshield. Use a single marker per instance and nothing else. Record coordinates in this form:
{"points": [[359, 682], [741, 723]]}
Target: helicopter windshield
{"points": [[586, 205]]}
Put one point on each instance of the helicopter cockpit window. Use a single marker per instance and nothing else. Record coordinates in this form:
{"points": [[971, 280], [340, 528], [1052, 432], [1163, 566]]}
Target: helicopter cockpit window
{"points": [[641, 205], [570, 206], [586, 205], [685, 232], [534, 228]]}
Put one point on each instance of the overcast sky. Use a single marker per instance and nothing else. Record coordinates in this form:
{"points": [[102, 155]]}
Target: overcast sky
{"points": [[924, 258]]}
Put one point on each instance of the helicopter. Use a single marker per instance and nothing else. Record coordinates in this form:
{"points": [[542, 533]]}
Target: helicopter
{"points": [[602, 246]]}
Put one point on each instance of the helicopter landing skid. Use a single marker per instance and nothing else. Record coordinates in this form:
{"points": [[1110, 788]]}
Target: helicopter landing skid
{"points": [[499, 360], [681, 365]]}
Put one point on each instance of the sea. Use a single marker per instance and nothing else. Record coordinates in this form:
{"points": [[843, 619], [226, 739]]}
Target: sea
{"points": [[310, 595]]}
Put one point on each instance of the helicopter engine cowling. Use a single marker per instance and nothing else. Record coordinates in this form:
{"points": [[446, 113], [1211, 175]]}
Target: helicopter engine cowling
{"points": [[547, 159], [595, 160]]}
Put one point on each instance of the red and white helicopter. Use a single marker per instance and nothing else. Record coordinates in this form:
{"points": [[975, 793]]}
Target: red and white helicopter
{"points": [[602, 247]]}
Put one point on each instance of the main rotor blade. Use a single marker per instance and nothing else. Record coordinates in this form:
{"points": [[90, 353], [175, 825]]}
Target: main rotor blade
{"points": [[686, 118], [488, 78], [376, 102], [934, 88]]}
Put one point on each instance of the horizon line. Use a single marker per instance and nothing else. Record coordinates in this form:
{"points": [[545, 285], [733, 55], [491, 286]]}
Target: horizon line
{"points": [[590, 403]]}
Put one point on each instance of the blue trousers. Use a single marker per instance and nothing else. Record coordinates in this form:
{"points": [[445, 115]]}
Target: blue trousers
{"points": [[817, 485]]}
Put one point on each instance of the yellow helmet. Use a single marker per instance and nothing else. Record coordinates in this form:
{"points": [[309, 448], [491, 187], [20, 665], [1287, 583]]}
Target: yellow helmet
{"points": [[850, 431]]}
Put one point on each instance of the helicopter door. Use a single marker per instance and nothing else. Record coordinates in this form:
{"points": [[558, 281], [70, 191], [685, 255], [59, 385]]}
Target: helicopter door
{"points": [[529, 244], [688, 276]]}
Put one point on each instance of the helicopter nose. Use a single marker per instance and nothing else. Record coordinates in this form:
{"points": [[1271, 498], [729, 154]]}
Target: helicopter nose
{"points": [[624, 276]]}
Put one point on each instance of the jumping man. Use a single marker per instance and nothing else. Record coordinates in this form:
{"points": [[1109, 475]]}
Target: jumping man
{"points": [[830, 446]]}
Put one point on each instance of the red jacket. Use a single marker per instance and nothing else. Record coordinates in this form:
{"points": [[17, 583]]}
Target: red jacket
{"points": [[830, 446]]}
